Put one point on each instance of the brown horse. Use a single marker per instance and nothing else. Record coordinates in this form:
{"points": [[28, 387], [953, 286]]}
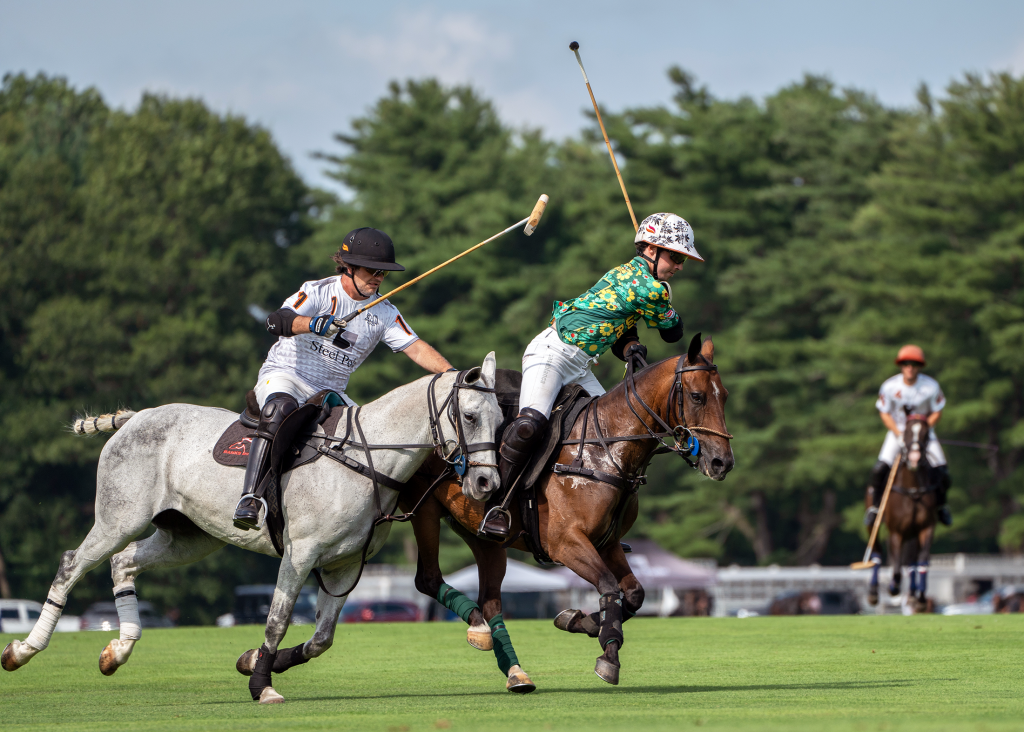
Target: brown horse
{"points": [[585, 508], [910, 516]]}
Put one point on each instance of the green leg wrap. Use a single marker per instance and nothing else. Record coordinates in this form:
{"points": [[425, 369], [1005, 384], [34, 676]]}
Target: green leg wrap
{"points": [[456, 601], [504, 653]]}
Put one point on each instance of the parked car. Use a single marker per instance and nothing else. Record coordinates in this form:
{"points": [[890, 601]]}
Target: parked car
{"points": [[1008, 599], [103, 616], [379, 611], [826, 602], [18, 616], [252, 605]]}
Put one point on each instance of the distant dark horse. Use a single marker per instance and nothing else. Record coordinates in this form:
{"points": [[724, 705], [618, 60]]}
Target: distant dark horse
{"points": [[910, 516]]}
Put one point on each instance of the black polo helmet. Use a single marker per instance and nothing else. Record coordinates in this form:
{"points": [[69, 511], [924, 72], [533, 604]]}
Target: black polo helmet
{"points": [[370, 248]]}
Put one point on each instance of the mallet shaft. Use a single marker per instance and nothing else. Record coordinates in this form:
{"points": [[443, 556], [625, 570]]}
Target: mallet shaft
{"points": [[866, 562], [530, 222], [575, 49]]}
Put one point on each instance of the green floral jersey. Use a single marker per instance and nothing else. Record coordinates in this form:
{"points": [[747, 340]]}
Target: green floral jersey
{"points": [[595, 320]]}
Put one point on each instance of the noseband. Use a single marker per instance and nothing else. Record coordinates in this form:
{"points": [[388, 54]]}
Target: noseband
{"points": [[457, 458]]}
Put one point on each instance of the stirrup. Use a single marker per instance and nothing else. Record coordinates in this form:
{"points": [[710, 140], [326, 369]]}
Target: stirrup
{"points": [[261, 522], [494, 509]]}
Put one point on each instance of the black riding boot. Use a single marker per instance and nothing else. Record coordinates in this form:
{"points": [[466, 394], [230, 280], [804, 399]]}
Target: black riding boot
{"points": [[942, 480], [879, 477], [247, 512], [516, 449]]}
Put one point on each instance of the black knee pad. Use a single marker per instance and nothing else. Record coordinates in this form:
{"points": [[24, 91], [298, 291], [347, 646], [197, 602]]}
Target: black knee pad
{"points": [[942, 480], [879, 477], [520, 436], [278, 406]]}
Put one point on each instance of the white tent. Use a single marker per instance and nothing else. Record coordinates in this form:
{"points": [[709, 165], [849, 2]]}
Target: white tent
{"points": [[519, 577]]}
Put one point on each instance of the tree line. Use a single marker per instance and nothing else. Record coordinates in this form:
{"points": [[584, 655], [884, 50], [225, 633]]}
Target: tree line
{"points": [[141, 247]]}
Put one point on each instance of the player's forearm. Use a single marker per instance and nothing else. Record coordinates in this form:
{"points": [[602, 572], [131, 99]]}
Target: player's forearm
{"points": [[300, 325], [889, 422], [933, 418], [426, 356]]}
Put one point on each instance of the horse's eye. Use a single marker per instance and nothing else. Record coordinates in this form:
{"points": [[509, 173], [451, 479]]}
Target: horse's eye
{"points": [[471, 418], [697, 397]]}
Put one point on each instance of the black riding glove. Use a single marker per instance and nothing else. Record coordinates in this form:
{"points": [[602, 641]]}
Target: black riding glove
{"points": [[636, 349]]}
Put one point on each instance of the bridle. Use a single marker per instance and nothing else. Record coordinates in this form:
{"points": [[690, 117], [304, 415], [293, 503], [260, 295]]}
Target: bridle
{"points": [[684, 443], [456, 458]]}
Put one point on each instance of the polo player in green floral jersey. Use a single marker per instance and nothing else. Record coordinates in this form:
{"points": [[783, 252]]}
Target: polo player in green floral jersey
{"points": [[581, 329]]}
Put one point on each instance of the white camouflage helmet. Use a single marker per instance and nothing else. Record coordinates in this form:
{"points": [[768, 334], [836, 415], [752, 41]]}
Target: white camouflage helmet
{"points": [[668, 231]]}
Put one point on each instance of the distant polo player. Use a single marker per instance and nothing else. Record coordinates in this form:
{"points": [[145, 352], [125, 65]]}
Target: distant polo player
{"points": [[581, 329], [305, 359], [910, 392]]}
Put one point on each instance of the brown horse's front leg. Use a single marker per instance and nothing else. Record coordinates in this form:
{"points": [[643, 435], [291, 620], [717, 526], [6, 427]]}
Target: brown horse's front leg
{"points": [[924, 554], [573, 548], [895, 561]]}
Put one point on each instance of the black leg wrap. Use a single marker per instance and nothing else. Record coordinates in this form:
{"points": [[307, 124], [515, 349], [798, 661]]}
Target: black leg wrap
{"points": [[879, 477], [611, 619], [942, 481], [260, 678], [289, 657]]}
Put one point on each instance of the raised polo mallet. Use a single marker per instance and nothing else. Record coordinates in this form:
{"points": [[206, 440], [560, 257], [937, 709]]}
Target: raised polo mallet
{"points": [[575, 48], [867, 563], [530, 222]]}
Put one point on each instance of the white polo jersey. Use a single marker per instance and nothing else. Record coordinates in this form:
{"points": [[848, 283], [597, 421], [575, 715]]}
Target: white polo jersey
{"points": [[316, 360], [924, 397]]}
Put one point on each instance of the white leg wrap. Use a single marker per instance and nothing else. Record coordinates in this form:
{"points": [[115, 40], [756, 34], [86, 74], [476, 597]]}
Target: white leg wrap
{"points": [[39, 638], [128, 613]]}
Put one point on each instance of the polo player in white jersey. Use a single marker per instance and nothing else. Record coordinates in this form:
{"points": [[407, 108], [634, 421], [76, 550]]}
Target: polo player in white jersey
{"points": [[309, 357], [910, 392]]}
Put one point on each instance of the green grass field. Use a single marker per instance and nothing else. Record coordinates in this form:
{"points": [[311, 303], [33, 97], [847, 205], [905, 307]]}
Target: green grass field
{"points": [[845, 673]]}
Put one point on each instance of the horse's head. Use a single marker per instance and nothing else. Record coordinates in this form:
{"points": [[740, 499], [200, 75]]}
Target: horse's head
{"points": [[479, 416], [701, 399], [915, 439]]}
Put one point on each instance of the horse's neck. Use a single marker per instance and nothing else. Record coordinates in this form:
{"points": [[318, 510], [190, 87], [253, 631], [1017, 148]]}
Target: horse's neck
{"points": [[400, 417], [653, 385]]}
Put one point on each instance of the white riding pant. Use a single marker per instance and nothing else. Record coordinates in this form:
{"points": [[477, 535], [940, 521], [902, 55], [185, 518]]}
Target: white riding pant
{"points": [[548, 365], [285, 383], [892, 445]]}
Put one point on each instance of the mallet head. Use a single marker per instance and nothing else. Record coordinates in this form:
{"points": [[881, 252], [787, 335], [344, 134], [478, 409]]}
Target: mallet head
{"points": [[574, 46], [538, 211]]}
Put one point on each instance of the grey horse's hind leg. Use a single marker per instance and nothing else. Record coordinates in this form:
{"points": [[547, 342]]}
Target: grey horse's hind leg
{"points": [[328, 609], [185, 544], [101, 542]]}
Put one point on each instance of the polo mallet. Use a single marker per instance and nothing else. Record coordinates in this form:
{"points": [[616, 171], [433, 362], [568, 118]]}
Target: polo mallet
{"points": [[531, 222], [575, 48], [867, 563]]}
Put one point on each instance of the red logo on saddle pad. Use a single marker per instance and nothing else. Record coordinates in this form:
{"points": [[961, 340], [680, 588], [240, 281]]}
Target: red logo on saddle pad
{"points": [[239, 448]]}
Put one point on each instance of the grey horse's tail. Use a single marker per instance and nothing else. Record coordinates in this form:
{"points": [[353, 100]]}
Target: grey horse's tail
{"points": [[103, 423]]}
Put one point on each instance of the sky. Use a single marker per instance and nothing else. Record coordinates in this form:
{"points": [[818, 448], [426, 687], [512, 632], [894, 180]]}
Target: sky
{"points": [[305, 68]]}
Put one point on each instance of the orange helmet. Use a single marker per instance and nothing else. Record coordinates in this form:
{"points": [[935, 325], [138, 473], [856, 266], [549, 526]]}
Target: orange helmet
{"points": [[910, 352]]}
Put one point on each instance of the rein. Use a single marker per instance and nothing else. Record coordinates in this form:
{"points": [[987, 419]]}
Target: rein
{"points": [[456, 459]]}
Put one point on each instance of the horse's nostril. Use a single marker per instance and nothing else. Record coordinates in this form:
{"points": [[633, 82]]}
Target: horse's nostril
{"points": [[483, 482]]}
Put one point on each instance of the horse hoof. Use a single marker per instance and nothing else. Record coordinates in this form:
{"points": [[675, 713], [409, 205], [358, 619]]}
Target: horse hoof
{"points": [[269, 696], [873, 597], [607, 671], [108, 662], [480, 639], [567, 618], [518, 681], [7, 659], [246, 663]]}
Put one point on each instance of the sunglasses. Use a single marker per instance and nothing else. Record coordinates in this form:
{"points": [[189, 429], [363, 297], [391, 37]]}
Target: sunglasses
{"points": [[909, 363], [677, 258], [382, 273]]}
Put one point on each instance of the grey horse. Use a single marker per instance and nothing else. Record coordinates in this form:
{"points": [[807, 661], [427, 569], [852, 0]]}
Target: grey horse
{"points": [[159, 469]]}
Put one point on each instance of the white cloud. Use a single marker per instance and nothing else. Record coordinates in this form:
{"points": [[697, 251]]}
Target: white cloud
{"points": [[454, 47]]}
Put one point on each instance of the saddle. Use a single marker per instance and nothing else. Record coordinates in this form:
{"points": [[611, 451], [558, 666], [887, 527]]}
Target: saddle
{"points": [[569, 404], [297, 443]]}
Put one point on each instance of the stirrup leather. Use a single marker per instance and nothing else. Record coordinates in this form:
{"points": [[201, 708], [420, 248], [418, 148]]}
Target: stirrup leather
{"points": [[263, 520]]}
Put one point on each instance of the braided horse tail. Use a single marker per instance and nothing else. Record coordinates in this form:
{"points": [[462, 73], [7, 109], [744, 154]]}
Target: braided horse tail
{"points": [[104, 423]]}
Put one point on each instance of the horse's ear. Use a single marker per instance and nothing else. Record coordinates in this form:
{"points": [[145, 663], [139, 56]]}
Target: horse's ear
{"points": [[694, 350], [707, 350], [489, 368]]}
